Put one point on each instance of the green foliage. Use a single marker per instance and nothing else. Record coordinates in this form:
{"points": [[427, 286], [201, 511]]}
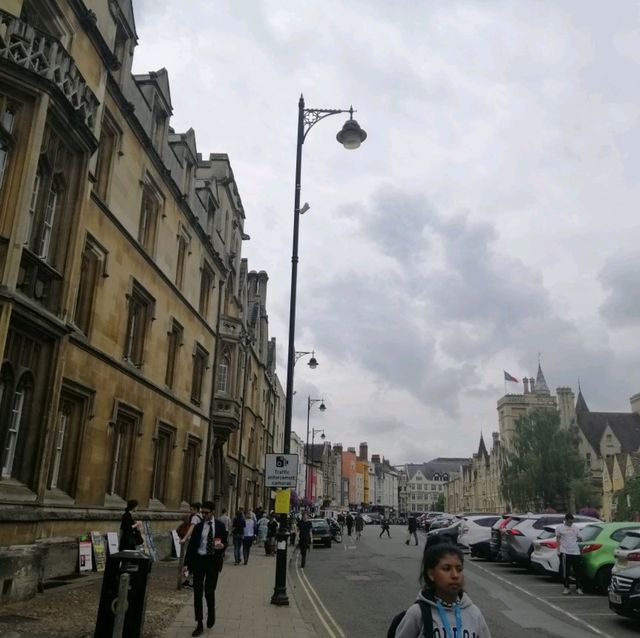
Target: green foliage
{"points": [[628, 501], [439, 506], [586, 494], [538, 472]]}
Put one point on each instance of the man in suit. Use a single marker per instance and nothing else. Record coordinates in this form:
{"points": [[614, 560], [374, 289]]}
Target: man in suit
{"points": [[204, 558]]}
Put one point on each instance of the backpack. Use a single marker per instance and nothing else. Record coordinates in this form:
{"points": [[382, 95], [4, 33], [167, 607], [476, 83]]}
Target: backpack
{"points": [[427, 621]]}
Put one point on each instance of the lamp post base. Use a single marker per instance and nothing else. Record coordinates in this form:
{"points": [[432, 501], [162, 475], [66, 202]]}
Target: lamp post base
{"points": [[280, 590]]}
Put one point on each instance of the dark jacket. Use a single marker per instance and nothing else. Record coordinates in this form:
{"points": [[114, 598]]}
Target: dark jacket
{"points": [[237, 526], [413, 524], [130, 538], [219, 531], [304, 531]]}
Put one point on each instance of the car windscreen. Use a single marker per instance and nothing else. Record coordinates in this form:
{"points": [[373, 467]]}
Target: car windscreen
{"points": [[631, 541], [589, 532], [546, 533]]}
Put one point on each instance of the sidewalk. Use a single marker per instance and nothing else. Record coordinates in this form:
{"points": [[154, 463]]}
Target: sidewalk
{"points": [[243, 604]]}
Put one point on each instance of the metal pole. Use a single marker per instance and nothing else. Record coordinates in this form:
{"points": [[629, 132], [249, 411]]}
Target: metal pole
{"points": [[121, 606], [280, 589], [306, 453]]}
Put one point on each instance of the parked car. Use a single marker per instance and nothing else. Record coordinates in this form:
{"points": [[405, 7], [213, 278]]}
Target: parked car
{"points": [[440, 521], [320, 532], [496, 536], [624, 588], [599, 542], [444, 534], [368, 518], [519, 537], [475, 533], [545, 558]]}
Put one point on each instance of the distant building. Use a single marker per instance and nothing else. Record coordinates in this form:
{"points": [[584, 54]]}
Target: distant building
{"points": [[425, 482]]}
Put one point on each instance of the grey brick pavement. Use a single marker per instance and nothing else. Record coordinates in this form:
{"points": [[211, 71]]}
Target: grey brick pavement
{"points": [[243, 604]]}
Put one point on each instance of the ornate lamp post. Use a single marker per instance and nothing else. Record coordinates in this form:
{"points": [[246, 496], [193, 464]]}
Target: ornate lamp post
{"points": [[351, 136], [322, 407]]}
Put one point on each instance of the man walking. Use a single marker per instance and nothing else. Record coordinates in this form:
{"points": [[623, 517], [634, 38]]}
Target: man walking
{"points": [[413, 529], [384, 523], [569, 552], [204, 559], [349, 522], [359, 525], [304, 537]]}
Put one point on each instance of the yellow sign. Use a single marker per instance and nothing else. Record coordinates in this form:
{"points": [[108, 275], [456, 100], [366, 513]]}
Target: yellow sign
{"points": [[283, 500]]}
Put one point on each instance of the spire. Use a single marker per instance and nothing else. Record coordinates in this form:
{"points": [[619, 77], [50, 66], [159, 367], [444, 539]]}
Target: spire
{"points": [[581, 404], [541, 383]]}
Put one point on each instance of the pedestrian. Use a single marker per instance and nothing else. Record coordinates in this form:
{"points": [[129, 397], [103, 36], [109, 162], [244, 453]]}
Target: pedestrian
{"points": [[442, 601], [263, 523], [191, 520], [349, 521], [204, 559], [304, 537], [412, 529], [130, 535], [272, 530], [259, 511], [384, 523], [225, 520], [249, 534], [341, 521], [237, 532], [569, 552], [359, 523]]}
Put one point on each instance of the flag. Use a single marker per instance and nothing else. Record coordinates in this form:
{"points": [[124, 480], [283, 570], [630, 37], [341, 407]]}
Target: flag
{"points": [[508, 377]]}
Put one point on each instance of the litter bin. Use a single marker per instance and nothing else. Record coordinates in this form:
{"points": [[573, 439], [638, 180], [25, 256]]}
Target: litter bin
{"points": [[138, 566]]}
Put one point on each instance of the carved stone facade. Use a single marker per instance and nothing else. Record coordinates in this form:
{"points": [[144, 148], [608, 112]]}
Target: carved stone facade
{"points": [[136, 360]]}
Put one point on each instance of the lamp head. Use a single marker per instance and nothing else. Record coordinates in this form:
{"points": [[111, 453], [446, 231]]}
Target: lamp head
{"points": [[351, 135], [322, 407], [322, 436], [313, 362]]}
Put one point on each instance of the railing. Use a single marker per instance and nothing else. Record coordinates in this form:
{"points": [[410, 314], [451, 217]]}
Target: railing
{"points": [[43, 55]]}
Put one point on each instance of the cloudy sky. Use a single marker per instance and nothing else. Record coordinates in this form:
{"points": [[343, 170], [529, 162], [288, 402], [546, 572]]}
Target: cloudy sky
{"points": [[491, 215]]}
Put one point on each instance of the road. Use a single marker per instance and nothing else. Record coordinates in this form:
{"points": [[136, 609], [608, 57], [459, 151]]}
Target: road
{"points": [[354, 589]]}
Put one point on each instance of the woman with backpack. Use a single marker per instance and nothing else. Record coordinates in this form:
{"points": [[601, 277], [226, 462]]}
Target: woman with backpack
{"points": [[442, 603]]}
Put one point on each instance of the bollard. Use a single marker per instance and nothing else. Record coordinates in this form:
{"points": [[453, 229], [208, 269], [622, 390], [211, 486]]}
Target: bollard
{"points": [[121, 606]]}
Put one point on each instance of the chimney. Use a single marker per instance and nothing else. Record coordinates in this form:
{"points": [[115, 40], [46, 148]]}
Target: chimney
{"points": [[351, 449], [532, 384], [263, 278], [525, 383], [252, 283], [375, 458], [337, 448], [364, 452]]}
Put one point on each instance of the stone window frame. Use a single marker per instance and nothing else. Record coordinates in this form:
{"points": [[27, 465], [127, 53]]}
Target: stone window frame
{"points": [[87, 288], [136, 332], [167, 431]]}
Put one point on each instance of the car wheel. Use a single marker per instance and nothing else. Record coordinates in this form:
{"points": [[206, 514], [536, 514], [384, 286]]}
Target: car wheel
{"points": [[603, 578]]}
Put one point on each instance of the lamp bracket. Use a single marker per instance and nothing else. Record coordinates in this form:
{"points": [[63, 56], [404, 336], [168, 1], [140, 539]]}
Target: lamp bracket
{"points": [[313, 116]]}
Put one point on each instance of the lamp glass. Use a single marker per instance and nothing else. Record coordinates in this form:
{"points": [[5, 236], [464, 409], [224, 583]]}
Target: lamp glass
{"points": [[313, 363], [322, 407], [351, 139]]}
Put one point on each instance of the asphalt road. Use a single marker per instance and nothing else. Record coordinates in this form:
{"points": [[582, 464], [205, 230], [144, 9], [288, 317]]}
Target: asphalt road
{"points": [[354, 589]]}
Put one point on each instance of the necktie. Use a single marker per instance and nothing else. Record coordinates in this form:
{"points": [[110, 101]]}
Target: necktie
{"points": [[210, 539]]}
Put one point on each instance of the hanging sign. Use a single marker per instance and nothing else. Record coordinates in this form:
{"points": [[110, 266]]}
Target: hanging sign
{"points": [[283, 501]]}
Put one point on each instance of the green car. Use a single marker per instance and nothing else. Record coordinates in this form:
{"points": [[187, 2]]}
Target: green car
{"points": [[598, 543]]}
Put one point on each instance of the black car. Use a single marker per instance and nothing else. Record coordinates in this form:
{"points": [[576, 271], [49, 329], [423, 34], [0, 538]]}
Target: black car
{"points": [[624, 592], [320, 532], [444, 534]]}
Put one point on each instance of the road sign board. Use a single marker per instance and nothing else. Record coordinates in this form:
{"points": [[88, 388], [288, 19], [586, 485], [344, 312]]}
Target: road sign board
{"points": [[281, 470]]}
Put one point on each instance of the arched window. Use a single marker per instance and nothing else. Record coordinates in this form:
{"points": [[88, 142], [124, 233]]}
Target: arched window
{"points": [[222, 379]]}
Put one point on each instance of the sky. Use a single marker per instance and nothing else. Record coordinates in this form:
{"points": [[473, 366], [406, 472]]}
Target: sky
{"points": [[490, 218]]}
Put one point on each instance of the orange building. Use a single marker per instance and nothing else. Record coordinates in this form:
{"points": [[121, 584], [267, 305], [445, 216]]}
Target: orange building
{"points": [[349, 459]]}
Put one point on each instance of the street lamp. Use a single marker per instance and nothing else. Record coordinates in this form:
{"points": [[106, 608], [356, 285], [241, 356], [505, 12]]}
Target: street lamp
{"points": [[322, 407], [351, 136], [313, 362]]}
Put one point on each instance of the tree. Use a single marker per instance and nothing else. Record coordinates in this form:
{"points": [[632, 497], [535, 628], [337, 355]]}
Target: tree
{"points": [[628, 499], [538, 471], [439, 506]]}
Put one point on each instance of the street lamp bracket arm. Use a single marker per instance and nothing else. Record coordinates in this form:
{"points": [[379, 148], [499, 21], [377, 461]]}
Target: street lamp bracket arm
{"points": [[313, 116]]}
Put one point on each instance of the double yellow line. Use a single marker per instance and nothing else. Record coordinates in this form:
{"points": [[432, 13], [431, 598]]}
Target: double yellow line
{"points": [[327, 620]]}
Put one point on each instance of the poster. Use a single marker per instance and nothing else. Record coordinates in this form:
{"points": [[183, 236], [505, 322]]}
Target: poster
{"points": [[112, 542], [176, 542], [99, 551], [283, 501], [149, 545], [84, 554]]}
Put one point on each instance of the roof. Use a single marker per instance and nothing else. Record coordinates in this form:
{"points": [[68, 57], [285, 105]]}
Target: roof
{"points": [[541, 386], [624, 425], [436, 466]]}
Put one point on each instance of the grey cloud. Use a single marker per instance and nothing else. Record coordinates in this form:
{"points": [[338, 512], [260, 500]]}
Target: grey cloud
{"points": [[620, 279]]}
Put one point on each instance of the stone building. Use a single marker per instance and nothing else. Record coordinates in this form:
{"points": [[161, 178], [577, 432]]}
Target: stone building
{"points": [[425, 482], [136, 361]]}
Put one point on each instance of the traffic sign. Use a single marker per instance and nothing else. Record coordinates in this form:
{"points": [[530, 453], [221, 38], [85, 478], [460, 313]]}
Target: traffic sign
{"points": [[281, 470]]}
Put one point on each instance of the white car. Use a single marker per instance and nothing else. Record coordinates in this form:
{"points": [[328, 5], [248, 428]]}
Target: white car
{"points": [[475, 533], [544, 558], [627, 553]]}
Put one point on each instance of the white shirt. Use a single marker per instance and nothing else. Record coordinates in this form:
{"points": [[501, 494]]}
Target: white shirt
{"points": [[202, 550], [568, 538], [249, 527]]}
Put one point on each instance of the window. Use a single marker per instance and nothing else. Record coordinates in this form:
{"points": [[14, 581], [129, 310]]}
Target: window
{"points": [[151, 204], [190, 465], [161, 460], [141, 306], [33, 207], [200, 359], [92, 267], [183, 251], [106, 153], [175, 341], [72, 414], [8, 111], [211, 214], [48, 219], [206, 285], [122, 451], [222, 379], [14, 423], [188, 180]]}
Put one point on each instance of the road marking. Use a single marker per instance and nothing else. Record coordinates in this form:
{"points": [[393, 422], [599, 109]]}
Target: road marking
{"points": [[308, 588], [573, 617]]}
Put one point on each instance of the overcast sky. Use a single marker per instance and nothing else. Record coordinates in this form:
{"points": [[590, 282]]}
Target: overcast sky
{"points": [[491, 215]]}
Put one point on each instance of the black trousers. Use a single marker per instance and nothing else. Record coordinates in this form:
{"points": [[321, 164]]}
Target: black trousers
{"points": [[247, 541], [303, 553], [205, 579], [570, 562], [385, 529]]}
